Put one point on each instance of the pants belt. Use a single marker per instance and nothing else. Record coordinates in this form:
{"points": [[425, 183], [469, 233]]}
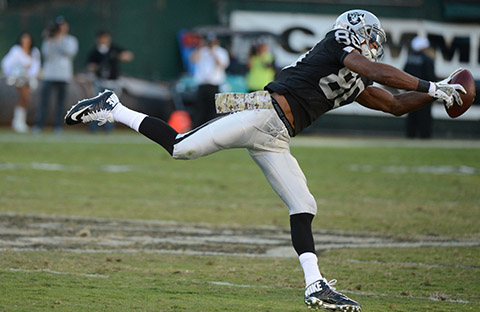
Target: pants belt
{"points": [[283, 118]]}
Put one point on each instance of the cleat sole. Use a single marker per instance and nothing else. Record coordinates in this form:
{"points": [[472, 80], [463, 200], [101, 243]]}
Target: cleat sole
{"points": [[315, 304]]}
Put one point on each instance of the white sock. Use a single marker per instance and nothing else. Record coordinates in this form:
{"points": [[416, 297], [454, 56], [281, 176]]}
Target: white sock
{"points": [[127, 116], [309, 262], [19, 121], [20, 114]]}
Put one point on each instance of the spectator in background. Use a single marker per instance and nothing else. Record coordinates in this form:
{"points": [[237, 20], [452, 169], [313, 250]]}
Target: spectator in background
{"points": [[21, 67], [419, 64], [261, 69], [103, 63], [58, 50], [211, 61]]}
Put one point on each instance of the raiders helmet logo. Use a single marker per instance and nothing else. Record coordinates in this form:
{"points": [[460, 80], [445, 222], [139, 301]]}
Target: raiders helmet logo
{"points": [[355, 17]]}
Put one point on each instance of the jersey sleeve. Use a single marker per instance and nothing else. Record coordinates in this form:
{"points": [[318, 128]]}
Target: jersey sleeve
{"points": [[8, 60], [340, 42]]}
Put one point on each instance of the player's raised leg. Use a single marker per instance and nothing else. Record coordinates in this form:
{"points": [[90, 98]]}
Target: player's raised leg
{"points": [[106, 107], [232, 131]]}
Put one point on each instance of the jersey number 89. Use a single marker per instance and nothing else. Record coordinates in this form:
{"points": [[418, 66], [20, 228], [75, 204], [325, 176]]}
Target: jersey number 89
{"points": [[338, 88], [343, 36]]}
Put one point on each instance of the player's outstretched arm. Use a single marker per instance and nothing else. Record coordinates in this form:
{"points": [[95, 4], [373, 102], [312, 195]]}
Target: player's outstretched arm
{"points": [[396, 78], [398, 104], [381, 73]]}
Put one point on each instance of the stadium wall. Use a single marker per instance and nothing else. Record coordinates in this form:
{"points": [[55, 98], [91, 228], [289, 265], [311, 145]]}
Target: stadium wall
{"points": [[149, 27]]}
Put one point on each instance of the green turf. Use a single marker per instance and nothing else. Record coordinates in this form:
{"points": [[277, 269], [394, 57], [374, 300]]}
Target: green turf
{"points": [[381, 188], [146, 282]]}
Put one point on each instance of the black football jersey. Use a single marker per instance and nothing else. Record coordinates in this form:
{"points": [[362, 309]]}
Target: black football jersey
{"points": [[318, 81]]}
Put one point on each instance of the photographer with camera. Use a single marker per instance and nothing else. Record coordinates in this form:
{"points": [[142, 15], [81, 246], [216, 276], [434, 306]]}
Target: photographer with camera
{"points": [[211, 61], [58, 50]]}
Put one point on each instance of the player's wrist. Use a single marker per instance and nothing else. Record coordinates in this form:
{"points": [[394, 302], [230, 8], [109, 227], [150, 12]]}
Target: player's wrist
{"points": [[425, 86]]}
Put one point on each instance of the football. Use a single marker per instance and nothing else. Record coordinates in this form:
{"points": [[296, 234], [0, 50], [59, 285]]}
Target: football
{"points": [[464, 78]]}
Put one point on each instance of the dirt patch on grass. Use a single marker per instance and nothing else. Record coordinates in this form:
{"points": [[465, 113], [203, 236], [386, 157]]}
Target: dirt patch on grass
{"points": [[75, 234]]}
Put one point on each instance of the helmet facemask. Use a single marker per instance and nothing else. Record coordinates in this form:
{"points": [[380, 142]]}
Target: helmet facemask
{"points": [[372, 35]]}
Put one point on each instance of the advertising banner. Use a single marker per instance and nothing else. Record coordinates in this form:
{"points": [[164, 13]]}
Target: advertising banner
{"points": [[453, 45]]}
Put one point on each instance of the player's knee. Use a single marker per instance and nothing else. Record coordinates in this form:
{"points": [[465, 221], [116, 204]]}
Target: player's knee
{"points": [[312, 205], [185, 155], [184, 151], [305, 205]]}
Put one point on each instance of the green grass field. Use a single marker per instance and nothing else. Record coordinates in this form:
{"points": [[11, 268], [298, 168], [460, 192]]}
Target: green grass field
{"points": [[423, 193]]}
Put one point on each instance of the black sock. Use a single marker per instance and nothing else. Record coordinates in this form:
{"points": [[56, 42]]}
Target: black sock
{"points": [[301, 231], [158, 131]]}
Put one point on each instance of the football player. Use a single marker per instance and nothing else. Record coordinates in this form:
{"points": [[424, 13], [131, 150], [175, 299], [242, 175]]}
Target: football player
{"points": [[338, 70]]}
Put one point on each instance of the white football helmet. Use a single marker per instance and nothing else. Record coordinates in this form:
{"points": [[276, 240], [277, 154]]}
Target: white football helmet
{"points": [[367, 28]]}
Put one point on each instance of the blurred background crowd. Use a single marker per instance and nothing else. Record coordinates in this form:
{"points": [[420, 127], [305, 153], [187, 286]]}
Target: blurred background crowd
{"points": [[168, 58]]}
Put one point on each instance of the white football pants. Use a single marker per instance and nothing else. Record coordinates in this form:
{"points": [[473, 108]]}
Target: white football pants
{"points": [[266, 138]]}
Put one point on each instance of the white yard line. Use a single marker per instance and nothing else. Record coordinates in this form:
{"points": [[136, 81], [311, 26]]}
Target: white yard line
{"points": [[65, 168], [431, 298], [302, 140], [56, 272], [419, 264], [360, 293], [75, 137], [437, 170], [227, 284], [238, 285], [352, 142], [146, 251]]}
